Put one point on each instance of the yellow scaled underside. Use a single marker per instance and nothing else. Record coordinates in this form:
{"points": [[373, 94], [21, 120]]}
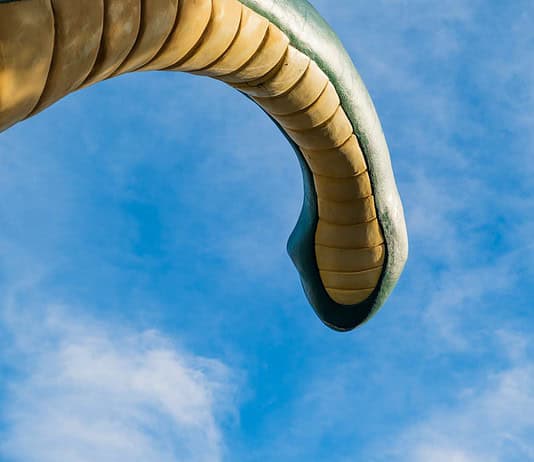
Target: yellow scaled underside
{"points": [[52, 47]]}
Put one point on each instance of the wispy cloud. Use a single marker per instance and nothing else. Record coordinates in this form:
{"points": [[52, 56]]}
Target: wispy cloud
{"points": [[492, 421], [83, 390], [487, 418]]}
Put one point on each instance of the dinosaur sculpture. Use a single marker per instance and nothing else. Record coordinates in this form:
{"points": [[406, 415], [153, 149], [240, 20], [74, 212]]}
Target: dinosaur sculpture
{"points": [[350, 242]]}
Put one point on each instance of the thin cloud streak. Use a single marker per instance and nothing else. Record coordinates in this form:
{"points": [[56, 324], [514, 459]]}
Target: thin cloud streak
{"points": [[491, 422], [84, 391]]}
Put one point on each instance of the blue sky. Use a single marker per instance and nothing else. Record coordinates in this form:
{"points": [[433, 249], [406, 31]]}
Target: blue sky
{"points": [[148, 311]]}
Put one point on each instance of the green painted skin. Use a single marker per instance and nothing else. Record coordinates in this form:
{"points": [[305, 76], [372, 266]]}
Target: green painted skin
{"points": [[310, 34]]}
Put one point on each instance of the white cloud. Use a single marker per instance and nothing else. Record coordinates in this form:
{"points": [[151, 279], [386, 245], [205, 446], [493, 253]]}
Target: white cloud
{"points": [[82, 391], [492, 421], [461, 297]]}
